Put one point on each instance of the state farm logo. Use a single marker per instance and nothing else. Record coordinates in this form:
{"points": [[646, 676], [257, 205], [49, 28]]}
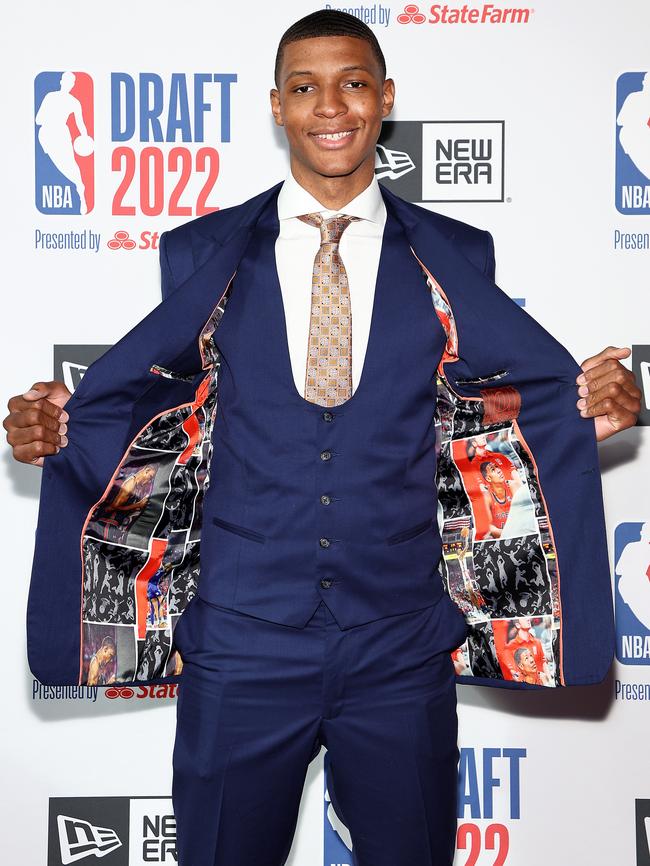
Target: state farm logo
{"points": [[164, 690], [125, 692], [121, 241], [483, 13], [411, 15], [446, 160]]}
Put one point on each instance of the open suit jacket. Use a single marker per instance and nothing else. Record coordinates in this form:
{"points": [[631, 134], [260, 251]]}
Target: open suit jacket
{"points": [[504, 384]]}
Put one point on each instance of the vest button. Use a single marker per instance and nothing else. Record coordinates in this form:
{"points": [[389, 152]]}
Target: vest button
{"points": [[326, 583], [325, 500], [328, 416], [324, 542], [325, 455]]}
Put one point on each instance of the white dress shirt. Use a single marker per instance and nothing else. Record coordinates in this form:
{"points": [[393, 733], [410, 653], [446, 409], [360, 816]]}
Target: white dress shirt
{"points": [[295, 251]]}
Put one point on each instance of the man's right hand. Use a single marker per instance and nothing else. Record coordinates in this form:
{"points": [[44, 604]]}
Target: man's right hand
{"points": [[36, 423]]}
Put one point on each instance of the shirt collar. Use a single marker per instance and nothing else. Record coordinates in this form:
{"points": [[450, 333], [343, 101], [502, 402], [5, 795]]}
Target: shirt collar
{"points": [[294, 200]]}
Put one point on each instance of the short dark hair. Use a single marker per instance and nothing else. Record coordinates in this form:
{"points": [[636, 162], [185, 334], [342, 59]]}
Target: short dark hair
{"points": [[519, 653], [328, 22], [484, 467]]}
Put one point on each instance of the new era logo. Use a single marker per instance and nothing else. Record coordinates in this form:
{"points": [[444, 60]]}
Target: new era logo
{"points": [[392, 163], [72, 360], [111, 831], [79, 839], [641, 368], [455, 160], [643, 833]]}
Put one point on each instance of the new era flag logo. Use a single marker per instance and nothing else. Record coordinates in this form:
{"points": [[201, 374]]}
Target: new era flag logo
{"points": [[79, 839], [642, 832], [111, 831]]}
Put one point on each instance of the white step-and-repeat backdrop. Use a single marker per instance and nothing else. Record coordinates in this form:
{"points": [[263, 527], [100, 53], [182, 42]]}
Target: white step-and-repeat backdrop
{"points": [[543, 113]]}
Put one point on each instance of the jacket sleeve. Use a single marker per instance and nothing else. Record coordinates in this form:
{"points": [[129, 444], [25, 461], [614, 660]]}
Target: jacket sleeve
{"points": [[490, 263], [166, 277]]}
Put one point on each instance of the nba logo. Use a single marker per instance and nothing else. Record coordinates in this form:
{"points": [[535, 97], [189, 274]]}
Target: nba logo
{"points": [[337, 843], [632, 553], [633, 143], [64, 142]]}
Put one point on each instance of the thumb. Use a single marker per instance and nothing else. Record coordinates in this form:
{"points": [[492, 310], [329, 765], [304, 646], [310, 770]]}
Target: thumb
{"points": [[44, 389]]}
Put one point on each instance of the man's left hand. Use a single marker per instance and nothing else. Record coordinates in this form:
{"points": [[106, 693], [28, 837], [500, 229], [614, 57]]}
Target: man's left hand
{"points": [[608, 392]]}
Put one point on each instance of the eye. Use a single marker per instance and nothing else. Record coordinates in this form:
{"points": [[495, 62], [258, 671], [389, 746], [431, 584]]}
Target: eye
{"points": [[356, 85], [302, 88]]}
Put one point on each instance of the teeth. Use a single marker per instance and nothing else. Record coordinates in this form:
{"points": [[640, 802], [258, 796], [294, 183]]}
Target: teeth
{"points": [[334, 136]]}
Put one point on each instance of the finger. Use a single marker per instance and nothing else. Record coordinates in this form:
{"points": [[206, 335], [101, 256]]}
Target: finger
{"points": [[612, 405], [33, 416], [615, 421], [37, 433], [610, 371], [34, 452], [23, 412], [611, 352]]}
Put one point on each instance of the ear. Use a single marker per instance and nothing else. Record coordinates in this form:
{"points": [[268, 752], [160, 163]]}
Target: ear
{"points": [[388, 97], [276, 107]]}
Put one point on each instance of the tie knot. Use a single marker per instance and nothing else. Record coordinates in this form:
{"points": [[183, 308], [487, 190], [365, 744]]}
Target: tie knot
{"points": [[330, 229]]}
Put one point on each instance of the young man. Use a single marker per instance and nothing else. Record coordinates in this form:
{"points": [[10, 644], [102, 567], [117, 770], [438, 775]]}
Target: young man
{"points": [[320, 616]]}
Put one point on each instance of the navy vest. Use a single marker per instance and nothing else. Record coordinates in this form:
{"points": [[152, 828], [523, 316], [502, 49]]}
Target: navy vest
{"points": [[307, 503]]}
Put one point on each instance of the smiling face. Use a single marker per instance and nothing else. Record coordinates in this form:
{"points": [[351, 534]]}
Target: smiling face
{"points": [[331, 98]]}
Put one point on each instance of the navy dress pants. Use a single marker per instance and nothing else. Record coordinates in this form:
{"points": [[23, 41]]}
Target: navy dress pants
{"points": [[256, 701]]}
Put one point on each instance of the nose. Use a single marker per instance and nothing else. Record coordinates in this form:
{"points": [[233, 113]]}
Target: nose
{"points": [[330, 102]]}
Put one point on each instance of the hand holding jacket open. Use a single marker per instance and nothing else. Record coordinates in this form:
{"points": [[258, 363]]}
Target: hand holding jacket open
{"points": [[608, 392]]}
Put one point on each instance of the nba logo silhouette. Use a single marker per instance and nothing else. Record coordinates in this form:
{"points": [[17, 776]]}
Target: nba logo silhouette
{"points": [[632, 553], [64, 142], [633, 143], [337, 843]]}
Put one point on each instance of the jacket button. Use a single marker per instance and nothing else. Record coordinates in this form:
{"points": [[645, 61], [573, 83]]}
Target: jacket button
{"points": [[328, 416], [326, 583], [325, 455], [325, 500], [324, 542]]}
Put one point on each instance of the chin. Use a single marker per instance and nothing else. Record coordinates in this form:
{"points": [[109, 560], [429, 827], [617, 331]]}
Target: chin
{"points": [[338, 169]]}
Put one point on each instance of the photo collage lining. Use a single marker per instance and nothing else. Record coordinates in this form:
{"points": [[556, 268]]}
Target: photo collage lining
{"points": [[140, 546], [498, 563]]}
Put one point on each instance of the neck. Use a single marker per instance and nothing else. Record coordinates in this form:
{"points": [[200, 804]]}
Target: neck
{"points": [[334, 192]]}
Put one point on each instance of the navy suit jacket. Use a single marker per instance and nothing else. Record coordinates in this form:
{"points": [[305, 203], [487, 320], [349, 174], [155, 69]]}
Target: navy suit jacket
{"points": [[499, 364]]}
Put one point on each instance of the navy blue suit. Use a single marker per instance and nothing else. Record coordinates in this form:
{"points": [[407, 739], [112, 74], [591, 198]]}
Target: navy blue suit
{"points": [[343, 554]]}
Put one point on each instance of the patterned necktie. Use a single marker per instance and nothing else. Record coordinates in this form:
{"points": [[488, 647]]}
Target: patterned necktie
{"points": [[328, 379]]}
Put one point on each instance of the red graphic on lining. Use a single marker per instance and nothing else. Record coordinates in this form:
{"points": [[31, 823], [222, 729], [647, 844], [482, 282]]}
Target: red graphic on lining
{"points": [[410, 14], [151, 566]]}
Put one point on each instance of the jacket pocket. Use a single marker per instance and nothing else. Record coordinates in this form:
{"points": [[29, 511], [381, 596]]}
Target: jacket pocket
{"points": [[481, 380], [166, 373], [410, 532], [239, 530]]}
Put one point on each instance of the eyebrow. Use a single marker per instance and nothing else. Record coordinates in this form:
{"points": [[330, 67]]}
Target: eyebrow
{"points": [[354, 68]]}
